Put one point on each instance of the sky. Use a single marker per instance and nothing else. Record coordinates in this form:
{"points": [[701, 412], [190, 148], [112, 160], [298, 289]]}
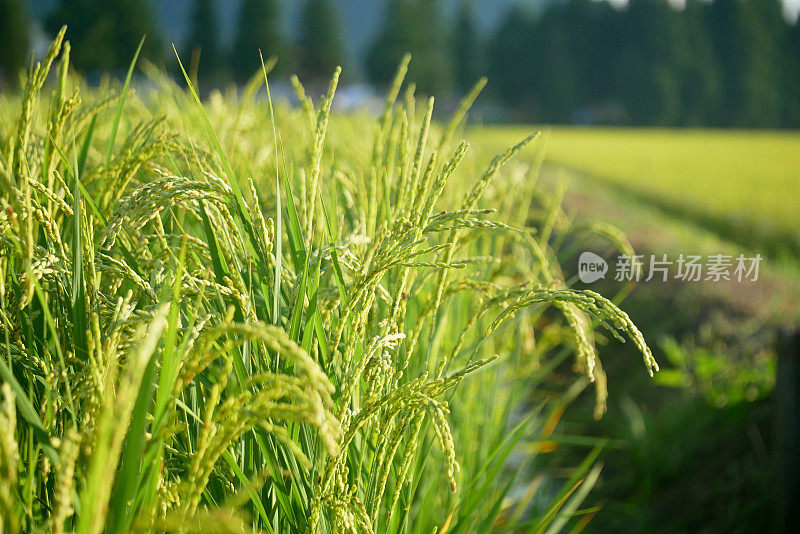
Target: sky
{"points": [[791, 8]]}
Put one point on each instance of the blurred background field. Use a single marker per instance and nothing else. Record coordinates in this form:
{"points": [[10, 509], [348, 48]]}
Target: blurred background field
{"points": [[740, 182], [675, 121]]}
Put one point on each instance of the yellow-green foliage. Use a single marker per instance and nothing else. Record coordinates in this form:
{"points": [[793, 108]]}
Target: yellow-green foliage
{"points": [[218, 318], [742, 177]]}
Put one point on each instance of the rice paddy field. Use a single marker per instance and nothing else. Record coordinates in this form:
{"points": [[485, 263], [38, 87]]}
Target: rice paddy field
{"points": [[231, 316], [741, 182]]}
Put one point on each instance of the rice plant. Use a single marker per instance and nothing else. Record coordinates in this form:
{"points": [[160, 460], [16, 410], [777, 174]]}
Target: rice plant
{"points": [[233, 316]]}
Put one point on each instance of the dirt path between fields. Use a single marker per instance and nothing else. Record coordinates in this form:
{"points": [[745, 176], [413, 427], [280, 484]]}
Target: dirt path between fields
{"points": [[771, 301]]}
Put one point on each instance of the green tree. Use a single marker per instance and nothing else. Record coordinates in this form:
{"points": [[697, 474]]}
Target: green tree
{"points": [[700, 78], [792, 79], [204, 37], [511, 62], [105, 33], [412, 26], [259, 29], [721, 63], [14, 41], [534, 65], [467, 53], [648, 70], [321, 48], [390, 44], [746, 38]]}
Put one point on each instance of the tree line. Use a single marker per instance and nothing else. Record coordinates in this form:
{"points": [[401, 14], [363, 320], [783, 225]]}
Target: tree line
{"points": [[722, 63], [726, 63], [105, 33]]}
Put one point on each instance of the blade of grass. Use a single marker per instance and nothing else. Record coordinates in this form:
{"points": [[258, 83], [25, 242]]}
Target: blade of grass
{"points": [[337, 269], [78, 294], [121, 105], [231, 461], [85, 194], [113, 425], [170, 361], [297, 309], [241, 207], [293, 230], [568, 488], [215, 143], [490, 470], [48, 316], [579, 496], [251, 492], [129, 476], [28, 412], [276, 289], [217, 261], [87, 142], [314, 318]]}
